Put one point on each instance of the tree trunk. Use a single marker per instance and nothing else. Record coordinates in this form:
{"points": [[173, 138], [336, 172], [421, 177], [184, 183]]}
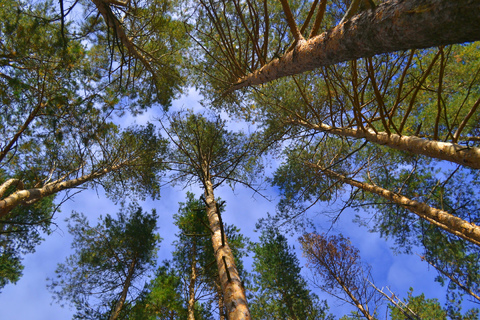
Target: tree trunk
{"points": [[464, 287], [233, 292], [193, 279], [35, 194], [355, 301], [119, 305], [440, 218], [112, 21], [392, 26], [452, 152], [221, 306]]}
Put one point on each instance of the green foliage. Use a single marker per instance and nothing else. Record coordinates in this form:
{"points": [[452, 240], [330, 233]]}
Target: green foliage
{"points": [[192, 220], [235, 38], [423, 308], [453, 190], [300, 182], [20, 232], [279, 290], [152, 75], [166, 297], [143, 152], [430, 309], [162, 297], [106, 255], [206, 150]]}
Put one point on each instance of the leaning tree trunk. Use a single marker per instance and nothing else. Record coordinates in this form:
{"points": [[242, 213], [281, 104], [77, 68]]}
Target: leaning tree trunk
{"points": [[119, 305], [232, 288], [355, 301], [392, 26], [452, 152], [446, 221], [30, 196]]}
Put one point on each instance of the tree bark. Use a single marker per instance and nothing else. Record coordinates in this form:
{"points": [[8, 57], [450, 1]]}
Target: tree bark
{"points": [[452, 152], [221, 306], [119, 305], [22, 129], [10, 182], [442, 219], [392, 26], [193, 279], [35, 194], [233, 293]]}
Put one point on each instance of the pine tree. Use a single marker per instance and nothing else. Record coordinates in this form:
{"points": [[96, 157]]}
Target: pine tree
{"points": [[109, 258], [280, 291]]}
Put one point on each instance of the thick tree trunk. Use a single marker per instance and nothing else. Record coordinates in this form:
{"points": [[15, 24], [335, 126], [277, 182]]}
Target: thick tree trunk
{"points": [[191, 286], [393, 26], [452, 152], [233, 292], [440, 218], [35, 194], [119, 305], [10, 182]]}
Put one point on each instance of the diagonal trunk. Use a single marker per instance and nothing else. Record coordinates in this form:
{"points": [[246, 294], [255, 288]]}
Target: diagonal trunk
{"points": [[35, 194], [22, 129], [119, 305], [233, 292], [463, 286], [440, 218], [112, 21], [355, 301], [452, 152], [392, 26], [191, 286]]}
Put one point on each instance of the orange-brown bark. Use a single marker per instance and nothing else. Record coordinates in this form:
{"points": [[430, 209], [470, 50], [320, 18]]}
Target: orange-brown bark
{"points": [[452, 152], [392, 26], [233, 292]]}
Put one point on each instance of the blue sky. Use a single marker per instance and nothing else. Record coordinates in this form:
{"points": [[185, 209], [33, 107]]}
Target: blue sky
{"points": [[29, 298]]}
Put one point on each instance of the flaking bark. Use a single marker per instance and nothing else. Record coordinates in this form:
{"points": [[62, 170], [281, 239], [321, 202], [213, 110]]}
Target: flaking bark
{"points": [[392, 26]]}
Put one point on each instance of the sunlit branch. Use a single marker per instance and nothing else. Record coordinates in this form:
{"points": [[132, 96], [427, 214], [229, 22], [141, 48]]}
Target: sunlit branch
{"points": [[392, 26], [440, 218]]}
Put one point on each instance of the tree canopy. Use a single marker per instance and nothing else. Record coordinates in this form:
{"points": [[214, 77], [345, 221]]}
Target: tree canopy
{"points": [[109, 258], [359, 105]]}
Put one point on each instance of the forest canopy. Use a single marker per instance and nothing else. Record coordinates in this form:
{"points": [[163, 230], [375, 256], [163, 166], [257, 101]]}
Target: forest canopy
{"points": [[332, 110]]}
